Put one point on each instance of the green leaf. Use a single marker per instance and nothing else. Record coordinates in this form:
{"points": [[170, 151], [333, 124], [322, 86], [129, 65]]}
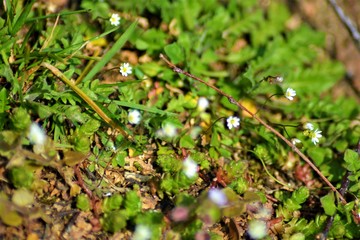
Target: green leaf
{"points": [[90, 127], [21, 177], [83, 202], [352, 160], [23, 197], [20, 119], [175, 53], [328, 203], [168, 162], [187, 142], [115, 49], [321, 77], [82, 143], [144, 108], [3, 106], [319, 155], [7, 72], [152, 40], [98, 8], [11, 218], [132, 203], [114, 221], [112, 203], [300, 195], [120, 158]]}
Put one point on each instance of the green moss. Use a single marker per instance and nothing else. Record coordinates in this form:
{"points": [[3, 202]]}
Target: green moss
{"points": [[114, 221], [83, 202], [21, 177], [20, 119]]}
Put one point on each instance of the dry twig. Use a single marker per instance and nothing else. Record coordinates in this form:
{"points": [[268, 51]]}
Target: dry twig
{"points": [[355, 35]]}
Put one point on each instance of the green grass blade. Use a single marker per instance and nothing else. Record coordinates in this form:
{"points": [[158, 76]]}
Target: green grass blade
{"points": [[22, 18], [107, 57], [78, 45], [144, 108], [54, 15]]}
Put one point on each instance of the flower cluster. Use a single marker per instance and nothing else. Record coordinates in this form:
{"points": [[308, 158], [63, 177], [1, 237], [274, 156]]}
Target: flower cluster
{"points": [[309, 131]]}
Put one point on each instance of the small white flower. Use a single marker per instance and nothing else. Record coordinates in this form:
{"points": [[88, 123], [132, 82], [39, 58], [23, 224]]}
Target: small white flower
{"points": [[36, 134], [169, 130], [134, 117], [203, 104], [142, 232], [257, 229], [233, 122], [218, 197], [125, 69], [315, 136], [115, 19], [279, 79], [295, 141], [290, 94], [190, 167], [309, 126]]}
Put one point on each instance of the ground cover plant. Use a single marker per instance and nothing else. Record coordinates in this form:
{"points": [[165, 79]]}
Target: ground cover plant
{"points": [[172, 120]]}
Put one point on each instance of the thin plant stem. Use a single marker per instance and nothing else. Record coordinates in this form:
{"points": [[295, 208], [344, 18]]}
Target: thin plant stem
{"points": [[240, 106], [268, 173], [87, 68]]}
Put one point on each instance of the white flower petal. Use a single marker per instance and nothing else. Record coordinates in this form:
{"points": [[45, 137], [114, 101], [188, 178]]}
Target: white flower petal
{"points": [[169, 130], [290, 94], [115, 19], [257, 229], [309, 126], [203, 104], [233, 122], [190, 167], [218, 197], [36, 134], [295, 141], [142, 232], [315, 136], [125, 69], [279, 79], [134, 117]]}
